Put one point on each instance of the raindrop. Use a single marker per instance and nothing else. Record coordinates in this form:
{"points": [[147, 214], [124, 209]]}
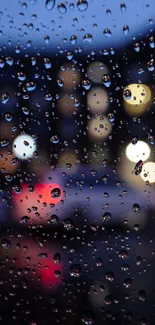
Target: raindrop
{"points": [[24, 220], [75, 270], [106, 216], [123, 7], [86, 84], [134, 140], [87, 38], [55, 193], [108, 12], [136, 207], [111, 117], [57, 258], [21, 76], [69, 55], [6, 243], [107, 32], [106, 80], [5, 98], [62, 8], [49, 4], [150, 138], [152, 42], [8, 117], [30, 86], [138, 167], [125, 29], [47, 63], [47, 39], [82, 5], [150, 65], [127, 94], [73, 39], [137, 47], [55, 139]]}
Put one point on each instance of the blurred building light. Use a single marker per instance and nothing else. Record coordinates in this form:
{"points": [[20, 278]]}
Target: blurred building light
{"points": [[24, 146], [138, 151], [35, 202], [99, 127], [70, 76], [95, 71], [148, 172], [8, 162], [98, 100], [68, 162], [137, 98], [68, 104]]}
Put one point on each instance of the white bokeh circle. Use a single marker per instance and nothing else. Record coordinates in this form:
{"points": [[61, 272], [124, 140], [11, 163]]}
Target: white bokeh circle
{"points": [[24, 146], [139, 151]]}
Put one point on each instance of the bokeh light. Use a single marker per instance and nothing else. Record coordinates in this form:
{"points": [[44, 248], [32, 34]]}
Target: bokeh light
{"points": [[24, 146], [99, 127], [138, 151], [98, 100], [95, 71], [69, 75], [137, 98], [148, 172]]}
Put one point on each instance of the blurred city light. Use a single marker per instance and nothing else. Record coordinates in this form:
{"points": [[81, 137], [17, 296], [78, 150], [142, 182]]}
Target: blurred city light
{"points": [[24, 147], [148, 172], [99, 127], [137, 98], [98, 100], [95, 71], [138, 151]]}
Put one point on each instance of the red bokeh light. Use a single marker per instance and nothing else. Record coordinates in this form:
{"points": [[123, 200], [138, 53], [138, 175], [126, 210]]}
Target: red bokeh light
{"points": [[38, 201]]}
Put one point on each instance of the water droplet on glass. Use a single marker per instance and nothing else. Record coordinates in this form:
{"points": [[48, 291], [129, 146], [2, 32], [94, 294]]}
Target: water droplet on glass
{"points": [[6, 243], [55, 139], [87, 38], [62, 8], [82, 5], [137, 47], [125, 29], [21, 76], [107, 32], [150, 138], [24, 220], [106, 80], [47, 39], [138, 167], [75, 270], [123, 7], [150, 65], [136, 207], [30, 86], [57, 258], [127, 94], [108, 12], [5, 98], [69, 55], [86, 84], [73, 39], [47, 63], [8, 117], [49, 4], [55, 193], [152, 42]]}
